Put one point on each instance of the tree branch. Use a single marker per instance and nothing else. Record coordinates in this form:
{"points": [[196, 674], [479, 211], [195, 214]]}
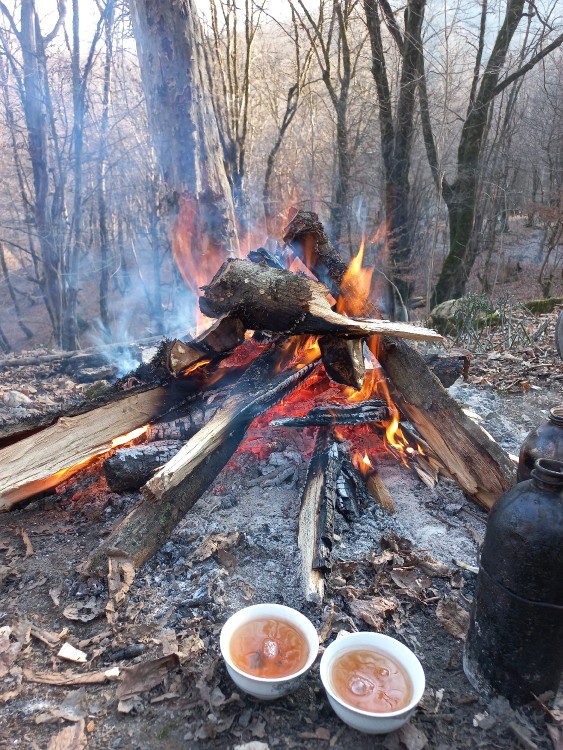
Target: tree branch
{"points": [[527, 67]]}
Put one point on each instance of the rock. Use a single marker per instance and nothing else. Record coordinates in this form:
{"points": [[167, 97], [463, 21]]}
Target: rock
{"points": [[13, 399], [453, 315]]}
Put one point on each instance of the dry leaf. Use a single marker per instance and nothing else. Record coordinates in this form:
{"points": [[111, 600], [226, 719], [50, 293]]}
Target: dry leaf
{"points": [[190, 647], [68, 652], [121, 574], [45, 636], [84, 611], [373, 611], [142, 677], [321, 733], [70, 678], [27, 542], [409, 583], [69, 738], [169, 642], [453, 617], [432, 567], [211, 543]]}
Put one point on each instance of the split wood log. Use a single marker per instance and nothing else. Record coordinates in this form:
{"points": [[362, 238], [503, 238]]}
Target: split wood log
{"points": [[343, 360], [170, 494], [379, 492], [448, 366], [130, 468], [316, 517], [270, 299], [470, 455], [372, 410]]}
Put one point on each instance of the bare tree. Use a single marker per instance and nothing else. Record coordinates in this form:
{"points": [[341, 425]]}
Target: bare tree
{"points": [[396, 120], [182, 122], [460, 195]]}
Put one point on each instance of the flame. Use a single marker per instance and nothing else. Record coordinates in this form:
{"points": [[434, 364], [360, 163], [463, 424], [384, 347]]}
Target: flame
{"points": [[299, 350], [196, 256], [356, 285], [128, 437], [362, 463]]}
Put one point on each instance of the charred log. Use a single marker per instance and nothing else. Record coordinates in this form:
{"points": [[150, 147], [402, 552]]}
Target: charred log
{"points": [[130, 468], [316, 518], [343, 360], [274, 300], [307, 238], [373, 410], [170, 494]]}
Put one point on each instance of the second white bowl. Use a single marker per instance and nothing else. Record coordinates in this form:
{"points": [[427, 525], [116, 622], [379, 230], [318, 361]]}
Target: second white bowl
{"points": [[366, 721]]}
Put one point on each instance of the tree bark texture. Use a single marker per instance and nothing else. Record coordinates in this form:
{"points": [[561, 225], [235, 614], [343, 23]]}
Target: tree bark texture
{"points": [[170, 43]]}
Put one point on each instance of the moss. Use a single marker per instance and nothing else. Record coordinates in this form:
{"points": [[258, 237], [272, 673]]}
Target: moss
{"points": [[542, 306]]}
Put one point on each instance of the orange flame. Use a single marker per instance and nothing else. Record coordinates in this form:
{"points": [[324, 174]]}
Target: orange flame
{"points": [[127, 438], [196, 256], [301, 350], [362, 463], [356, 286]]}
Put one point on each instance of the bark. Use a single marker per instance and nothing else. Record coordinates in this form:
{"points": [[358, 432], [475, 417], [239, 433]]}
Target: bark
{"points": [[343, 360], [396, 133], [269, 299], [372, 410], [183, 127]]}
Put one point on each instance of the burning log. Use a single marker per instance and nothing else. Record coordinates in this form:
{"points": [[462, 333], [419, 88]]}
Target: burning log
{"points": [[270, 299], [343, 360], [131, 468], [307, 238], [469, 454], [372, 410], [222, 337], [316, 518], [170, 494]]}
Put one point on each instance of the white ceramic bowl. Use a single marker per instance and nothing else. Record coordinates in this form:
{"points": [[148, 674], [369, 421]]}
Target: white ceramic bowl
{"points": [[366, 721], [264, 687]]}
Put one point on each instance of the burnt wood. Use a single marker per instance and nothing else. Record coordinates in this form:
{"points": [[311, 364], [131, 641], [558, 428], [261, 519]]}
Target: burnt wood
{"points": [[170, 494], [343, 360], [316, 518], [372, 410], [130, 468], [275, 300], [470, 456]]}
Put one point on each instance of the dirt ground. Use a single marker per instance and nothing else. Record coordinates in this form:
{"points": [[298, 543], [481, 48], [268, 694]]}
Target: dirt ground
{"points": [[408, 575]]}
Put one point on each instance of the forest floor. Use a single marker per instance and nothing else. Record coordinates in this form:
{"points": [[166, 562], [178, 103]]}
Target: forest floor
{"points": [[238, 546]]}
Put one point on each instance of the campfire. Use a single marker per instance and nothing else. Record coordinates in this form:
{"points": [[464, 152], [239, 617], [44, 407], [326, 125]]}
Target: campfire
{"points": [[295, 343]]}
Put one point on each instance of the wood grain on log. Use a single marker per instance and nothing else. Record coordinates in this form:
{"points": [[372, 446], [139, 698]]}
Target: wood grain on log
{"points": [[380, 493], [470, 455], [169, 495], [372, 410], [222, 337], [130, 468], [274, 300]]}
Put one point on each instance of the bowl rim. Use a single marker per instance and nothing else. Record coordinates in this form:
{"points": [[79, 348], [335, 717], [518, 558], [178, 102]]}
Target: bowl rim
{"points": [[279, 608], [382, 639]]}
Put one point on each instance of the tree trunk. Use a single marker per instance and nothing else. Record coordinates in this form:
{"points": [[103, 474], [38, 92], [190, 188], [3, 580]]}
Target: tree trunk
{"points": [[182, 123]]}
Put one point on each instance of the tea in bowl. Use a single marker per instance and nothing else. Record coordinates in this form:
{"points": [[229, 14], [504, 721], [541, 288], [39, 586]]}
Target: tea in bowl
{"points": [[268, 649], [373, 682]]}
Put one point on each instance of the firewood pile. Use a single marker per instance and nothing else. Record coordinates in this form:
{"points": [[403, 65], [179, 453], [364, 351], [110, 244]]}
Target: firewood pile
{"points": [[277, 335]]}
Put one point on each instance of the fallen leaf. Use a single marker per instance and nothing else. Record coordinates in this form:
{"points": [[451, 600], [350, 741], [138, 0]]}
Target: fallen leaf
{"points": [[320, 733], [71, 678], [69, 738], [211, 543], [373, 611], [190, 647], [84, 611], [45, 636], [453, 617], [68, 652], [169, 642], [55, 593], [144, 676], [432, 567], [27, 542], [121, 574]]}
